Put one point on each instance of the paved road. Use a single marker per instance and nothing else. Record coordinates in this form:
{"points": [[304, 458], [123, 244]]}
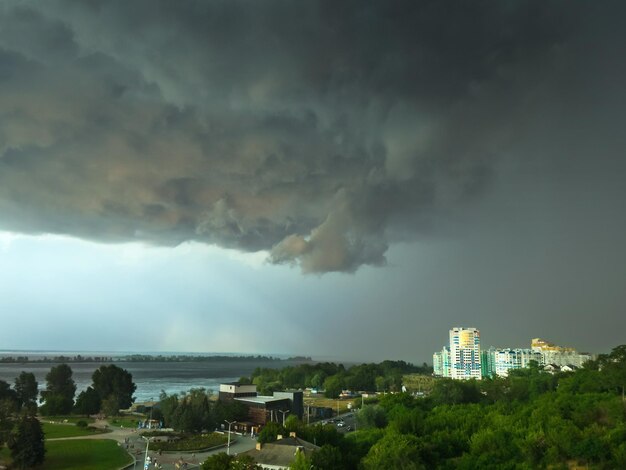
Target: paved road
{"points": [[348, 419], [136, 447], [168, 461]]}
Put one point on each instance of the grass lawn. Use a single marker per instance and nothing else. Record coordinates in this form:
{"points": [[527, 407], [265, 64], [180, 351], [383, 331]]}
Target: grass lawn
{"points": [[53, 431], [320, 400], [126, 421], [73, 419], [418, 383], [85, 454], [190, 442]]}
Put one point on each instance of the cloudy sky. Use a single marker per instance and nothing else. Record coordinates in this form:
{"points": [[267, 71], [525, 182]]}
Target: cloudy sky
{"points": [[337, 179]]}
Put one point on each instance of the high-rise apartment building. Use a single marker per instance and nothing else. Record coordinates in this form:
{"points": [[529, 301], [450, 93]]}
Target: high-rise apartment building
{"points": [[465, 353], [441, 363], [487, 362], [509, 359], [559, 355]]}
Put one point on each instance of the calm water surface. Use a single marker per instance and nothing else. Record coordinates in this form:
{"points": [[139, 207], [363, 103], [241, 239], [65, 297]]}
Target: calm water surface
{"points": [[152, 377]]}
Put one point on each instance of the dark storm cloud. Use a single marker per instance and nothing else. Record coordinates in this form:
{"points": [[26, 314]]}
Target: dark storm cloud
{"points": [[321, 131]]}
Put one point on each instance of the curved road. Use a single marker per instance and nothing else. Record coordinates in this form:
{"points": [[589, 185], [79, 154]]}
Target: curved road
{"points": [[136, 447]]}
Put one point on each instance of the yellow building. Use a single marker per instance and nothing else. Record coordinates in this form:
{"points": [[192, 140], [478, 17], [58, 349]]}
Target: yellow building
{"points": [[465, 353]]}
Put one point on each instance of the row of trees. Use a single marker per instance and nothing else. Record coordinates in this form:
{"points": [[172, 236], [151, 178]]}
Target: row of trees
{"points": [[194, 411], [333, 378], [112, 390]]}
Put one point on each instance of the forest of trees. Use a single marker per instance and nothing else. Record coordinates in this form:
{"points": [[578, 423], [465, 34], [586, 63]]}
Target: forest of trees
{"points": [[529, 420], [333, 378], [195, 411]]}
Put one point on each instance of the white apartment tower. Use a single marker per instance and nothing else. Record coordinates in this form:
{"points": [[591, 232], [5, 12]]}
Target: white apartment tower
{"points": [[465, 353], [441, 363]]}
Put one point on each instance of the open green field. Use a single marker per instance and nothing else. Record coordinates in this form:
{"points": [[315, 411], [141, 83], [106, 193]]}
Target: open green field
{"points": [[53, 431], [73, 419], [190, 442], [337, 404], [418, 383], [85, 454], [124, 421]]}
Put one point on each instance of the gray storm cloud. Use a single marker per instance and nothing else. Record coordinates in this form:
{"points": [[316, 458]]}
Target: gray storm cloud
{"points": [[319, 131]]}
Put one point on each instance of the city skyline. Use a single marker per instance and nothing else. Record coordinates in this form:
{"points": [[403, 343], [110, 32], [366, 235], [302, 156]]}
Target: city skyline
{"points": [[339, 181], [464, 357]]}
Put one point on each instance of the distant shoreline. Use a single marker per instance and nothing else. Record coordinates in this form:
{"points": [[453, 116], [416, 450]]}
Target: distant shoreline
{"points": [[40, 358]]}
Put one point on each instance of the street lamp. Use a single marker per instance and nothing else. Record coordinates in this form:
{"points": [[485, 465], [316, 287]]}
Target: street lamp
{"points": [[145, 459], [308, 413], [228, 445]]}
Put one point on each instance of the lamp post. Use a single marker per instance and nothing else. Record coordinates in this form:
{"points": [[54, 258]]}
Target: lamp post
{"points": [[228, 445], [145, 459], [284, 413]]}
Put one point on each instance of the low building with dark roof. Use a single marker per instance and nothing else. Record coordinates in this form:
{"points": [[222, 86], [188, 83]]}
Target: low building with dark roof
{"points": [[279, 455], [263, 409]]}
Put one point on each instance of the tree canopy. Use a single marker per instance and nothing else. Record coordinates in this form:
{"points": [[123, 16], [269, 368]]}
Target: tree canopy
{"points": [[26, 390], [26, 443], [59, 393], [115, 386]]}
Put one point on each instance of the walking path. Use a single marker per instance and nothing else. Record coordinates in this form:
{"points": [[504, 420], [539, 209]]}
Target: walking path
{"points": [[135, 445]]}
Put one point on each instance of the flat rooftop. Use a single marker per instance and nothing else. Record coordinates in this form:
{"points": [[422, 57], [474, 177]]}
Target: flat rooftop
{"points": [[260, 399]]}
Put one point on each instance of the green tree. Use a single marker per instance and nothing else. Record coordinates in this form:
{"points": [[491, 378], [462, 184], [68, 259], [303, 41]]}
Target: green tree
{"points": [[381, 383], [222, 461], [26, 390], [301, 462], [59, 393], [270, 432], [219, 461], [613, 367], [327, 458], [332, 386], [7, 394], [371, 416], [492, 448], [317, 381], [293, 424], [26, 443], [451, 392], [88, 402], [7, 410], [394, 451], [198, 401], [112, 380], [168, 404], [110, 406]]}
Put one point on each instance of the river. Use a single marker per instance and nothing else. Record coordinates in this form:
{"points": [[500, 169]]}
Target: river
{"points": [[153, 377]]}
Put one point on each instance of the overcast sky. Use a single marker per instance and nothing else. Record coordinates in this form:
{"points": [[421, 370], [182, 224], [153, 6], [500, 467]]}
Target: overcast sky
{"points": [[337, 179]]}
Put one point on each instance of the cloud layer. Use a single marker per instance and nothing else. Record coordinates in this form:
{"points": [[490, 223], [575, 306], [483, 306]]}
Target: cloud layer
{"points": [[319, 131]]}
